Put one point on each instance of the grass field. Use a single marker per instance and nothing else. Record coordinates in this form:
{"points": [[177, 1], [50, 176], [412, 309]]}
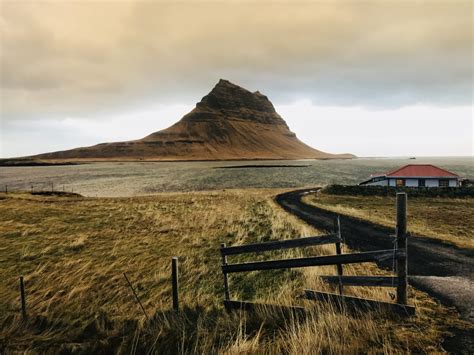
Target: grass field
{"points": [[443, 218], [73, 252]]}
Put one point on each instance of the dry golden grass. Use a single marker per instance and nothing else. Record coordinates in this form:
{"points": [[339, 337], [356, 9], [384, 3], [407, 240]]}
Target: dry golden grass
{"points": [[447, 219], [73, 252]]}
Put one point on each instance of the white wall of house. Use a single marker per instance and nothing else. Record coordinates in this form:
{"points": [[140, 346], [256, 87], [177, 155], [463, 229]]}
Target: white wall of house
{"points": [[432, 182], [411, 182]]}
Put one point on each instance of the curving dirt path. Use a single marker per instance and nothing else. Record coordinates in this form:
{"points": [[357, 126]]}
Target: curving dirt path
{"points": [[443, 270]]}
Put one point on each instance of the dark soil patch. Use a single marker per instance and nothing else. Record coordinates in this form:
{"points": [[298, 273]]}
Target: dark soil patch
{"points": [[56, 193], [260, 166], [19, 162]]}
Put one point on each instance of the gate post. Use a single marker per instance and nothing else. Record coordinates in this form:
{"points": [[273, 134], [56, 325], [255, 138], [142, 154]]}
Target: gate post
{"points": [[402, 261], [226, 280], [337, 231], [174, 276]]}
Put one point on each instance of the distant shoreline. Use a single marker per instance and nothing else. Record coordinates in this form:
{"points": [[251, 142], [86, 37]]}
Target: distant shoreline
{"points": [[14, 163], [19, 162], [261, 166], [31, 163]]}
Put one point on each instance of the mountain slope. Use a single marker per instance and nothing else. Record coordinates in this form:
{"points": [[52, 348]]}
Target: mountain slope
{"points": [[229, 123]]}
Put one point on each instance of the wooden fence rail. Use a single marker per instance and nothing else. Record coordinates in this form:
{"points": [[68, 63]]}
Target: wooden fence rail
{"points": [[280, 244], [398, 254], [370, 256], [379, 281], [350, 302]]}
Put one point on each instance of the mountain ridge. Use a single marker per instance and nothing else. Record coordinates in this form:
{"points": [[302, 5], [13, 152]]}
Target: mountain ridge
{"points": [[229, 123]]}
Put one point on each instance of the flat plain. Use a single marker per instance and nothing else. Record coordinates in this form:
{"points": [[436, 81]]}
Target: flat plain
{"points": [[122, 179]]}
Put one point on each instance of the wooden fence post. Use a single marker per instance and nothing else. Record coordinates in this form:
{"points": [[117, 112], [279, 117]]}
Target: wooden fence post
{"points": [[402, 262], [22, 297], [226, 280], [6, 188], [337, 231], [174, 275]]}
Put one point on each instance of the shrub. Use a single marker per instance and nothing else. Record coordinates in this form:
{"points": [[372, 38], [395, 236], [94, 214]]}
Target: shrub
{"points": [[357, 190]]}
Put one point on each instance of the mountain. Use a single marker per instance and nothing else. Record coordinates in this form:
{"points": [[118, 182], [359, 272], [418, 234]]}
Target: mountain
{"points": [[230, 123]]}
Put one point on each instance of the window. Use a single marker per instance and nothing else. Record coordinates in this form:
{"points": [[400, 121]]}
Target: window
{"points": [[421, 183], [400, 182], [443, 183]]}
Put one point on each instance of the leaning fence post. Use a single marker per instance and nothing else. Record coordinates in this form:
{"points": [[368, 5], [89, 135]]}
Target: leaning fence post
{"points": [[337, 230], [226, 280], [22, 297], [402, 261], [174, 274]]}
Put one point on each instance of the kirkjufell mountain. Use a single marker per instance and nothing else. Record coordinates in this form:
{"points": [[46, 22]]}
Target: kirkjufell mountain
{"points": [[230, 123]]}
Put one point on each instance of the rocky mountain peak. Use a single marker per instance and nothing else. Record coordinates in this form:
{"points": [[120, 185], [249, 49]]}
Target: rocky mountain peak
{"points": [[229, 123], [228, 96]]}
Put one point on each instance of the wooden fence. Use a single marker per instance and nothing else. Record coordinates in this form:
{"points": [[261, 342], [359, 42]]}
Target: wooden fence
{"points": [[398, 254], [174, 282]]}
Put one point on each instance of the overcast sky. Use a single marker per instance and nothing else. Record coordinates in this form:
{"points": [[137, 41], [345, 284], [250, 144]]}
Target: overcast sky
{"points": [[381, 78]]}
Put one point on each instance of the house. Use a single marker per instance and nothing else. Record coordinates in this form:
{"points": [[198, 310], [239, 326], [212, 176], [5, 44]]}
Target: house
{"points": [[415, 175]]}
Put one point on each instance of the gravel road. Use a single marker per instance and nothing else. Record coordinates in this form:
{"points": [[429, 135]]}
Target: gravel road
{"points": [[443, 270]]}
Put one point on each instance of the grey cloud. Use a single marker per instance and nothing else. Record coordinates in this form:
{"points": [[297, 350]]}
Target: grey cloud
{"points": [[82, 58]]}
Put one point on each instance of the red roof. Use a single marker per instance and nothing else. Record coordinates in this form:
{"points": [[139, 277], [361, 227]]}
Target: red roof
{"points": [[421, 170]]}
